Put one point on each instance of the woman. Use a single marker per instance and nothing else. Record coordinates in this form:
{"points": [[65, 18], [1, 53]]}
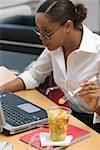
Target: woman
{"points": [[72, 52]]}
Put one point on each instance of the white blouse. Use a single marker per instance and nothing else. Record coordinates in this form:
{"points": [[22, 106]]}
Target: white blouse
{"points": [[82, 64]]}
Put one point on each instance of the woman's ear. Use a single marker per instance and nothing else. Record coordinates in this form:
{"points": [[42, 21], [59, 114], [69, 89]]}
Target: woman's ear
{"points": [[69, 25]]}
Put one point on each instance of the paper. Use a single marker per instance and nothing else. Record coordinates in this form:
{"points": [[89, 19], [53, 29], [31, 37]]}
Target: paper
{"points": [[46, 140], [5, 145]]}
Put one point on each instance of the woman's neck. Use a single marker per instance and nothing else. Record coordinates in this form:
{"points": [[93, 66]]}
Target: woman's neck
{"points": [[73, 43]]}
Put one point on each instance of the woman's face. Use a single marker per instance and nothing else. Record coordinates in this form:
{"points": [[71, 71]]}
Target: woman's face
{"points": [[51, 33]]}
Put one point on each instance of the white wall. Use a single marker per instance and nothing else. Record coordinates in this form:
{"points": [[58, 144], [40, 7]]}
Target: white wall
{"points": [[9, 8], [93, 17]]}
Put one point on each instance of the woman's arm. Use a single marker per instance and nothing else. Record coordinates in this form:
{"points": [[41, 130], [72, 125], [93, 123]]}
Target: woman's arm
{"points": [[12, 86]]}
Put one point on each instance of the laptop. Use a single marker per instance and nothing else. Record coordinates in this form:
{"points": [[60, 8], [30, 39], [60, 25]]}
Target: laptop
{"points": [[19, 115]]}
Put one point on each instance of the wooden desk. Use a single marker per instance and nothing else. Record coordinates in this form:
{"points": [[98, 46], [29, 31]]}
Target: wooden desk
{"points": [[91, 143]]}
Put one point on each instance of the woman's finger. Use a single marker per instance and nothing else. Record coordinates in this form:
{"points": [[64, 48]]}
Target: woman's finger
{"points": [[86, 83], [88, 92], [88, 87]]}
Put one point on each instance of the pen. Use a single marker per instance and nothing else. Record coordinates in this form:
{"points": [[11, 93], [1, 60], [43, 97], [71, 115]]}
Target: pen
{"points": [[69, 95]]}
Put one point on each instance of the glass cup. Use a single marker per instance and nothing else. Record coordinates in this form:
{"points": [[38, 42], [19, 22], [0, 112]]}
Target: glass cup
{"points": [[58, 122]]}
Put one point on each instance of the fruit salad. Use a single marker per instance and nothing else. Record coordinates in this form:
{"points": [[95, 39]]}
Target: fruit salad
{"points": [[58, 122]]}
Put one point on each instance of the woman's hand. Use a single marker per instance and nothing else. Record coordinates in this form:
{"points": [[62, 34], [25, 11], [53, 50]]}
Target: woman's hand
{"points": [[90, 94]]}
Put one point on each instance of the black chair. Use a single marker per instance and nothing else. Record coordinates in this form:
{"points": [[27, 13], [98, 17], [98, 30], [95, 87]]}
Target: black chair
{"points": [[17, 35], [19, 45]]}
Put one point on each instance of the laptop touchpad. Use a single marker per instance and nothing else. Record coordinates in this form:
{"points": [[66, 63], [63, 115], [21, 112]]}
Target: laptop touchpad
{"points": [[29, 108]]}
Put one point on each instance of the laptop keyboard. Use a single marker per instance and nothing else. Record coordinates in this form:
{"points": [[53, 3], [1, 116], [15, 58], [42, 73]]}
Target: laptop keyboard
{"points": [[15, 118]]}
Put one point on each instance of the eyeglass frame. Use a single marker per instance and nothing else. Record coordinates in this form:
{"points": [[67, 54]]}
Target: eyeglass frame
{"points": [[47, 36]]}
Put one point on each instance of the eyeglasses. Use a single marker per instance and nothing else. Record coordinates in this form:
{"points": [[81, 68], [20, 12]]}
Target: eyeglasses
{"points": [[46, 36]]}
